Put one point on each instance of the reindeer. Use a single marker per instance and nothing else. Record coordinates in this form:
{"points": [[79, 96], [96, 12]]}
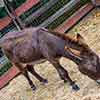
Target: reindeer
{"points": [[35, 45], [28, 41]]}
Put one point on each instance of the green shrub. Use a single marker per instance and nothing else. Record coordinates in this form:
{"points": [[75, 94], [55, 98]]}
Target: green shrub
{"points": [[5, 68], [15, 3]]}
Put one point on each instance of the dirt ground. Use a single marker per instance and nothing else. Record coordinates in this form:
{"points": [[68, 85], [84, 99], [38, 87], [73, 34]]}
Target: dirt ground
{"points": [[18, 89]]}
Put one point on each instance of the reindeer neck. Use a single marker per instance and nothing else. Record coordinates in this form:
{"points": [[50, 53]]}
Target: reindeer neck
{"points": [[70, 41]]}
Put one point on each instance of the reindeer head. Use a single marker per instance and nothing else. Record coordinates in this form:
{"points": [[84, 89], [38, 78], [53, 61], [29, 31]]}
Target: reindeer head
{"points": [[89, 63]]}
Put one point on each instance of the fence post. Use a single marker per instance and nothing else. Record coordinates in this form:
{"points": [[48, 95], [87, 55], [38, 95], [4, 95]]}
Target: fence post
{"points": [[11, 12]]}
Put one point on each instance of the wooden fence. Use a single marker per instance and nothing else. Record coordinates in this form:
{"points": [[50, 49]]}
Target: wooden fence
{"points": [[59, 15]]}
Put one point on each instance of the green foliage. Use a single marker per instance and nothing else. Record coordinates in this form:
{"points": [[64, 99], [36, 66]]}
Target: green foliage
{"points": [[15, 4], [3, 12], [5, 68], [82, 2]]}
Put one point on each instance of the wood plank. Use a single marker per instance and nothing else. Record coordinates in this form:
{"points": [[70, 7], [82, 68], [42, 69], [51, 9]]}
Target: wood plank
{"points": [[74, 18], [41, 10], [60, 12], [8, 76]]}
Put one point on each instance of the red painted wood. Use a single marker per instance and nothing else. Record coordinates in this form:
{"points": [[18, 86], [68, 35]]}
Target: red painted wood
{"points": [[9, 75], [24, 7], [75, 18]]}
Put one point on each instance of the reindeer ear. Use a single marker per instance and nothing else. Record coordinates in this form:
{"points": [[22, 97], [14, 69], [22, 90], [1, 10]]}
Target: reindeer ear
{"points": [[79, 38]]}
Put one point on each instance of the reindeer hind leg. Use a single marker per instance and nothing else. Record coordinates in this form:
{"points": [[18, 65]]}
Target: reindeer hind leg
{"points": [[25, 73], [32, 70]]}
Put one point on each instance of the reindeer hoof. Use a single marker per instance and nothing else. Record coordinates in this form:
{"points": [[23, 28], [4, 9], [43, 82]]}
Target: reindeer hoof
{"points": [[65, 81], [75, 87], [98, 81], [33, 88], [45, 81]]}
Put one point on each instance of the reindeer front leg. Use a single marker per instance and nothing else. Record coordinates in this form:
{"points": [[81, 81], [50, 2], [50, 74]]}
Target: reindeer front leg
{"points": [[64, 74], [47, 53], [25, 73], [47, 50]]}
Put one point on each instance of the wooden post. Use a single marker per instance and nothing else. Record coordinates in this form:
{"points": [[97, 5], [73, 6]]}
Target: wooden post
{"points": [[11, 12]]}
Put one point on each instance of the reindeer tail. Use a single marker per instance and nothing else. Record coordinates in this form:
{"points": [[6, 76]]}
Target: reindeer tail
{"points": [[1, 42]]}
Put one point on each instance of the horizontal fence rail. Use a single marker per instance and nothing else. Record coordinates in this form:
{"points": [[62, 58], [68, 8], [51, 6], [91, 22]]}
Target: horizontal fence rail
{"points": [[28, 4], [41, 10], [59, 13]]}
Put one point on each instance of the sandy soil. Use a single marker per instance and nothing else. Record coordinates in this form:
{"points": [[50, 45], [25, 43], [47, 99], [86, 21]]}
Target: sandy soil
{"points": [[18, 89]]}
